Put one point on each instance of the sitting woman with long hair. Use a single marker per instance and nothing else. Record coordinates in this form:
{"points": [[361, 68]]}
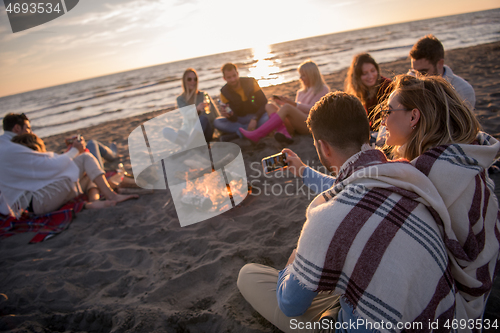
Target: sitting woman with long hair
{"points": [[428, 123], [365, 82], [293, 113], [205, 106]]}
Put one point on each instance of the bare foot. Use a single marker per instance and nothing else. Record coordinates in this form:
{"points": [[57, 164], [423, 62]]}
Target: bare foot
{"points": [[128, 182], [123, 197], [99, 204]]}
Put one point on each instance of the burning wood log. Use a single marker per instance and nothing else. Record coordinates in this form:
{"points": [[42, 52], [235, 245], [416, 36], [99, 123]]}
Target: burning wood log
{"points": [[199, 201]]}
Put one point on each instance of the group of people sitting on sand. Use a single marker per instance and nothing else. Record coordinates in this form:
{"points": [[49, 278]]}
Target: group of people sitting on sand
{"points": [[405, 243], [244, 110]]}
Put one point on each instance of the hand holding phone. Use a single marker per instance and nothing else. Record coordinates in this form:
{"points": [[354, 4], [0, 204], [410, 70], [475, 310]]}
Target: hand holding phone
{"points": [[69, 141], [79, 143], [280, 100], [295, 164], [287, 100], [274, 162]]}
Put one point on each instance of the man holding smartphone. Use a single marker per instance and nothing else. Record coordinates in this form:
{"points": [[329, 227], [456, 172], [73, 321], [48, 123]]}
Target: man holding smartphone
{"points": [[367, 244], [246, 101]]}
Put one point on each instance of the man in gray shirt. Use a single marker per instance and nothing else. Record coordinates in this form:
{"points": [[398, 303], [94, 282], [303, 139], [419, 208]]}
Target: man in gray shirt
{"points": [[427, 58]]}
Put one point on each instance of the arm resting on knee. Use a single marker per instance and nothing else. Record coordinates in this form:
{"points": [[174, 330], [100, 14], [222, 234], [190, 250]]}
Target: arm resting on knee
{"points": [[293, 299]]}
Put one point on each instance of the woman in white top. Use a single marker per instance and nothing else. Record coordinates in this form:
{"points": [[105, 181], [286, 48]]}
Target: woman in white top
{"points": [[293, 113]]}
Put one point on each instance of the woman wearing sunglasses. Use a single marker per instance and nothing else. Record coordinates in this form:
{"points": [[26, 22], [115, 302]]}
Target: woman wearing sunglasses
{"points": [[430, 125], [205, 106]]}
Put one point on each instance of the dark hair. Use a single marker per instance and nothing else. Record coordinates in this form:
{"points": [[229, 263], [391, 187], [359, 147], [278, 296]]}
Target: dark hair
{"points": [[228, 67], [353, 84], [31, 141], [339, 119], [428, 47], [13, 119]]}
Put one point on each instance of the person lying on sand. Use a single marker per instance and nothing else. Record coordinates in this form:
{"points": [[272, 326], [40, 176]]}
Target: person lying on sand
{"points": [[35, 143], [367, 244], [100, 151], [42, 182]]}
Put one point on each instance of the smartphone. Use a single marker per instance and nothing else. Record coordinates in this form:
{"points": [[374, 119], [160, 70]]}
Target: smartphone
{"points": [[274, 162]]}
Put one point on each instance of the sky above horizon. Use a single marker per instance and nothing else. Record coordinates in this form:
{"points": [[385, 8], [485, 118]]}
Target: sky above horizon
{"points": [[100, 37]]}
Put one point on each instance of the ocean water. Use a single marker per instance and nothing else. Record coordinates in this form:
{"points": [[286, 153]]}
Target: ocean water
{"points": [[89, 102]]}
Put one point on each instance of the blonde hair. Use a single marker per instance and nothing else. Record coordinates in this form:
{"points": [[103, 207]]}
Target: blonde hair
{"points": [[188, 95], [316, 81], [444, 117], [353, 84], [31, 141]]}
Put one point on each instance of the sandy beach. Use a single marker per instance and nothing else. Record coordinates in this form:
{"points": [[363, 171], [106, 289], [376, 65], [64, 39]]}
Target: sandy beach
{"points": [[132, 268]]}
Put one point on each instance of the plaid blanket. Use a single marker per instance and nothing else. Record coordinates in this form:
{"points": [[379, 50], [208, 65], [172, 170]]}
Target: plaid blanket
{"points": [[472, 238], [46, 226], [373, 238]]}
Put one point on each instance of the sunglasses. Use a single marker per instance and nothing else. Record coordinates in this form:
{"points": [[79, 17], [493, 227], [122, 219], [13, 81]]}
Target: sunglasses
{"points": [[386, 111], [189, 79]]}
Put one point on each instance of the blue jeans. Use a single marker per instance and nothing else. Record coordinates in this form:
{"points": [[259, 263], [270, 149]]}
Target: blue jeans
{"points": [[100, 152], [224, 125]]}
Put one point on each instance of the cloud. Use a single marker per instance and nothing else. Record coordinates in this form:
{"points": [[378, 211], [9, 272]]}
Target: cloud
{"points": [[13, 58], [8, 59], [131, 42], [343, 4], [123, 13], [184, 2]]}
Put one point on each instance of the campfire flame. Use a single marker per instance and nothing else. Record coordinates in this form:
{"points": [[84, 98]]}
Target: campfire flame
{"points": [[213, 187]]}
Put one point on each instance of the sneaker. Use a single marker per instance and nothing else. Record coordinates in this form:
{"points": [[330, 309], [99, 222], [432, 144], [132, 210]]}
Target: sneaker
{"points": [[228, 137], [280, 137]]}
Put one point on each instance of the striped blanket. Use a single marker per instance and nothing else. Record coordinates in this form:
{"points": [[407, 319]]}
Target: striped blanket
{"points": [[373, 238], [472, 237]]}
